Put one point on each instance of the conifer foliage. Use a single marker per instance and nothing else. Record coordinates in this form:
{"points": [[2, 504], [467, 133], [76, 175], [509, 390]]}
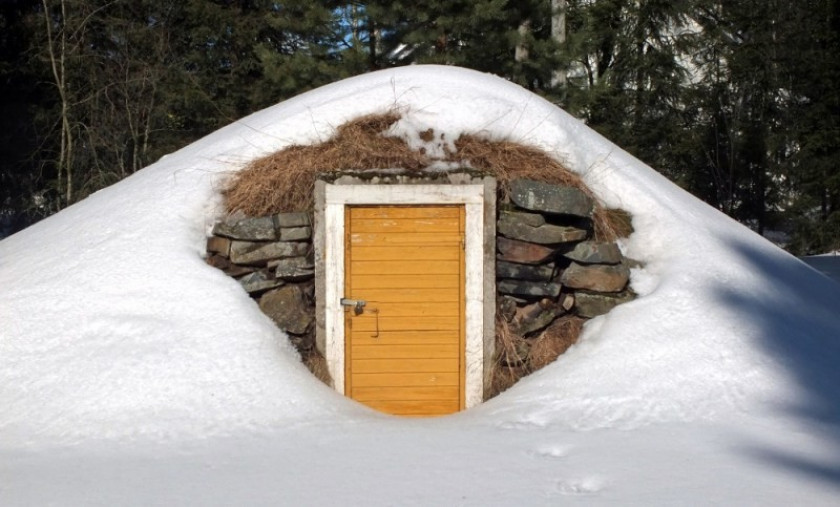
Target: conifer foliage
{"points": [[736, 101]]}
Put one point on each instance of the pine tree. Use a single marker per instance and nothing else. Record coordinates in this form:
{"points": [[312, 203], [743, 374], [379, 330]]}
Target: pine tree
{"points": [[20, 181], [756, 64], [510, 39], [813, 123], [736, 101], [625, 77]]}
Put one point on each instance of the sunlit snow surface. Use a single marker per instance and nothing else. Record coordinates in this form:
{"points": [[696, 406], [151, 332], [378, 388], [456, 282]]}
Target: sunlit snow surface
{"points": [[131, 373]]}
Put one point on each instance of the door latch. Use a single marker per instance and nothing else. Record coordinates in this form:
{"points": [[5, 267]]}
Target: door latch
{"points": [[357, 304]]}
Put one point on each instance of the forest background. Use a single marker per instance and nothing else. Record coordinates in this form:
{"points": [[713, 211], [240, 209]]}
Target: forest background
{"points": [[736, 101]]}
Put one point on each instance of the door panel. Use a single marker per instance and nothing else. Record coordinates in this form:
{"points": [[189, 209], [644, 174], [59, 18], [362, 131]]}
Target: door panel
{"points": [[406, 351], [404, 354], [410, 253], [405, 379]]}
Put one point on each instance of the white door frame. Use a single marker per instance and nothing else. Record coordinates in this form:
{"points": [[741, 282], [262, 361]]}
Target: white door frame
{"points": [[337, 197]]}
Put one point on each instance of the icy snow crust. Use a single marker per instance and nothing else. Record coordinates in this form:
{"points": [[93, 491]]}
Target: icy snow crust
{"points": [[126, 361]]}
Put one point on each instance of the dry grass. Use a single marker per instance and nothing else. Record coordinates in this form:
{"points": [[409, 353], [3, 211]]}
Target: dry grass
{"points": [[284, 181], [503, 379], [509, 366], [555, 340], [620, 221], [517, 357], [507, 161], [508, 344], [318, 366]]}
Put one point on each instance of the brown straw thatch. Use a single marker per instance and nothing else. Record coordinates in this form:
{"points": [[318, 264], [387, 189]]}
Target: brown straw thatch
{"points": [[284, 180]]}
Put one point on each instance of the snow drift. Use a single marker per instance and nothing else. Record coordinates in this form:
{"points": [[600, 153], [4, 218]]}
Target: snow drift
{"points": [[112, 328]]}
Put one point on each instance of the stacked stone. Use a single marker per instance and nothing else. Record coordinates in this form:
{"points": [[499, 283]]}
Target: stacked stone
{"points": [[550, 271], [548, 265], [272, 259]]}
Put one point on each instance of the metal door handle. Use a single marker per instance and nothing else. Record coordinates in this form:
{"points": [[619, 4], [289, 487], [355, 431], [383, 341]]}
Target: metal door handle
{"points": [[357, 304]]}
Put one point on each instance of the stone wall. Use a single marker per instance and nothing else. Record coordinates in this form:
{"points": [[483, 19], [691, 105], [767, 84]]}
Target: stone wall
{"points": [[551, 275], [271, 258]]}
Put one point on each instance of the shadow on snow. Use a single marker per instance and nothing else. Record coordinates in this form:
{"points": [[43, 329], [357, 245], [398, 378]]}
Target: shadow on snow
{"points": [[805, 342]]}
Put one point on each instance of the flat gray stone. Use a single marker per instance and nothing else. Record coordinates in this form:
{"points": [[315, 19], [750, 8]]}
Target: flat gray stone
{"points": [[512, 250], [292, 219], [596, 277], [513, 227], [592, 305], [522, 218], [632, 263], [523, 288], [545, 197], [246, 228], [219, 245], [295, 233], [288, 309], [248, 252], [259, 281], [524, 271], [235, 270], [293, 268], [218, 261], [535, 318], [594, 252], [223, 263]]}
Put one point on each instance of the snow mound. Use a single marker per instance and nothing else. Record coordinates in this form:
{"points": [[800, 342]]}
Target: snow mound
{"points": [[114, 328]]}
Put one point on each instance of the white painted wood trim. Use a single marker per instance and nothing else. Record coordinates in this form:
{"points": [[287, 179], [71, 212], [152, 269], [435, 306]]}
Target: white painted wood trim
{"points": [[472, 197], [334, 291], [474, 304], [403, 194]]}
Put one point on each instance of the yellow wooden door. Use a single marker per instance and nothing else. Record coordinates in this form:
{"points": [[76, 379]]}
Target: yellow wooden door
{"points": [[404, 353]]}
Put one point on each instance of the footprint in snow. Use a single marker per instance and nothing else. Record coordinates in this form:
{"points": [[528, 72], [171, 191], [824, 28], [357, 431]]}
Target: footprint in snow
{"points": [[550, 451], [581, 486]]}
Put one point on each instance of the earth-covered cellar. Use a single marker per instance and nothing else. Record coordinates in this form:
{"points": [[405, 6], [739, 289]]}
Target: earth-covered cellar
{"points": [[545, 257]]}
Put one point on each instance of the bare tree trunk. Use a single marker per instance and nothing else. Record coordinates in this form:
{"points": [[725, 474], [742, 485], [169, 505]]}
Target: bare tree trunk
{"points": [[520, 53], [354, 25], [441, 44], [373, 45], [558, 33], [58, 64], [144, 152]]}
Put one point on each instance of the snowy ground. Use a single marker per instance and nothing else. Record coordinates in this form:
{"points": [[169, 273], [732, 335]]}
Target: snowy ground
{"points": [[132, 373]]}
